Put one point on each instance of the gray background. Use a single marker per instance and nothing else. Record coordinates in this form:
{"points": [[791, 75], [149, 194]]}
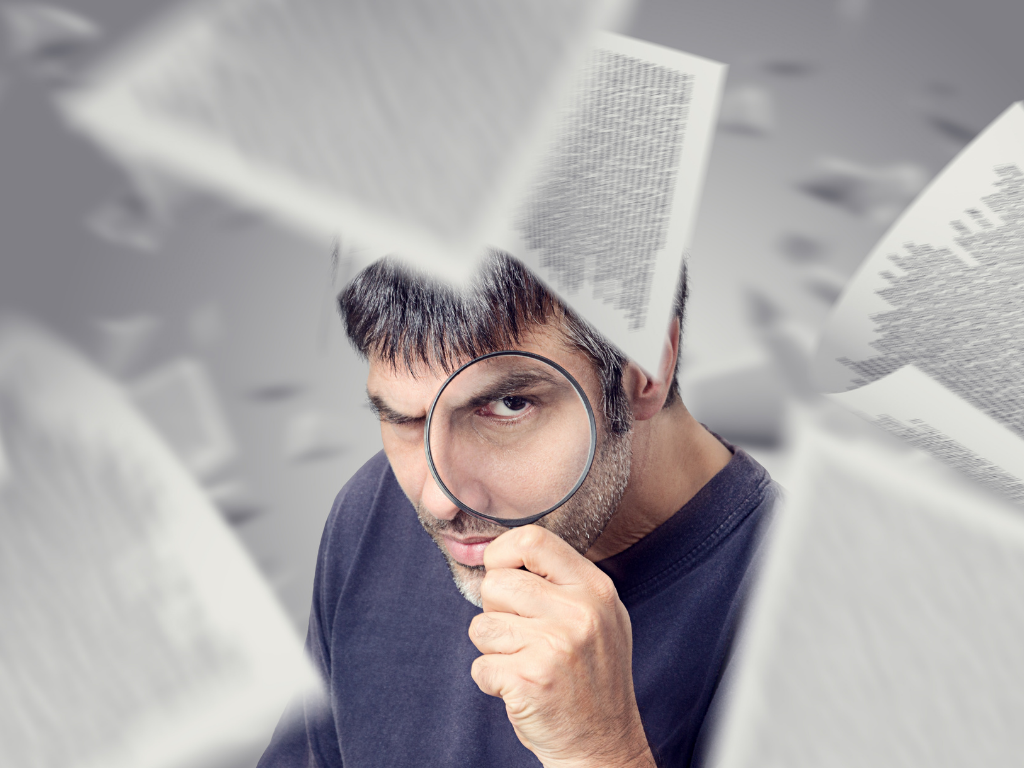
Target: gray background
{"points": [[873, 77]]}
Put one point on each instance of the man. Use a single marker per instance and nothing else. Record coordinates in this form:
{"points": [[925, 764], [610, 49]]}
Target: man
{"points": [[605, 628]]}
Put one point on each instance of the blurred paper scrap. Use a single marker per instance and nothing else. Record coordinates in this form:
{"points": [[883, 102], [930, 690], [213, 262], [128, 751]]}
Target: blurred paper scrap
{"points": [[410, 127], [613, 211], [312, 435], [50, 41], [137, 631], [886, 625], [931, 328], [749, 110], [124, 340], [179, 400], [139, 216], [277, 391], [876, 194], [235, 501]]}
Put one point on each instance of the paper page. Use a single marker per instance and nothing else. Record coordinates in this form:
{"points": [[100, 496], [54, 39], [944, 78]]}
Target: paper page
{"points": [[609, 220], [404, 126], [927, 415], [941, 290], [137, 633], [928, 338], [886, 626]]}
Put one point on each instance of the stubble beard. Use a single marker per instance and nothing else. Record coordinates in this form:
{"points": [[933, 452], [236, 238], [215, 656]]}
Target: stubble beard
{"points": [[579, 522]]}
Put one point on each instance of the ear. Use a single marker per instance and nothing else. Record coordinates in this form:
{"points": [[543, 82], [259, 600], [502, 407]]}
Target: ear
{"points": [[647, 394]]}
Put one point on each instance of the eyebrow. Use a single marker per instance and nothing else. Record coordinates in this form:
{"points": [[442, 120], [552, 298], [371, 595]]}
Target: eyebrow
{"points": [[510, 384], [387, 414]]}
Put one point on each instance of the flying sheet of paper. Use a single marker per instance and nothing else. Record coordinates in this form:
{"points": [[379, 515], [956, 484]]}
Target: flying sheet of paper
{"points": [[937, 291], [942, 292], [609, 220], [885, 629], [410, 127], [137, 633]]}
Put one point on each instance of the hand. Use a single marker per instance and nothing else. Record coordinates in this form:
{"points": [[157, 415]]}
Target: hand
{"points": [[557, 648]]}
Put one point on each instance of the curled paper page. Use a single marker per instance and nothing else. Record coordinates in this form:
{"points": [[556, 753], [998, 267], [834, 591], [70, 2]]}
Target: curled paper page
{"points": [[942, 293], [137, 631], [608, 222]]}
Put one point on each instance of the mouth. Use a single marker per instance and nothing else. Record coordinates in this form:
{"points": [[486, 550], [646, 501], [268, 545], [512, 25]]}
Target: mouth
{"points": [[468, 551]]}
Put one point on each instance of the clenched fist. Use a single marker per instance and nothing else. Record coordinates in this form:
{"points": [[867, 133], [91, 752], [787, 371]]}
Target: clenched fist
{"points": [[557, 648]]}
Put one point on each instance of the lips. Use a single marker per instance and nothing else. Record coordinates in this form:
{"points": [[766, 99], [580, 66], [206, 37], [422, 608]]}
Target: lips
{"points": [[468, 551]]}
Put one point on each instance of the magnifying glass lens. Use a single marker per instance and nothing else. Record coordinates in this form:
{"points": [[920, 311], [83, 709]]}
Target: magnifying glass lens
{"points": [[510, 437]]}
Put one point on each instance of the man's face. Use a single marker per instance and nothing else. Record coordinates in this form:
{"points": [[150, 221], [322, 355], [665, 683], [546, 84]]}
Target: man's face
{"points": [[402, 400]]}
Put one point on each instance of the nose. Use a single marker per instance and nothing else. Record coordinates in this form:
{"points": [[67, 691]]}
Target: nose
{"points": [[435, 502]]}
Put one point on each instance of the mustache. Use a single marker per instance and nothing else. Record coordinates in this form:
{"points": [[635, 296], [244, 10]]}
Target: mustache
{"points": [[461, 525]]}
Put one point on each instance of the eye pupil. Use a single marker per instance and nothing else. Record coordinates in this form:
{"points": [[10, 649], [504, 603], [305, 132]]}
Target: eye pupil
{"points": [[514, 403]]}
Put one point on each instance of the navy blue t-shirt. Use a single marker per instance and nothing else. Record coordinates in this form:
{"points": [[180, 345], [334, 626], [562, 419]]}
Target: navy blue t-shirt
{"points": [[388, 631]]}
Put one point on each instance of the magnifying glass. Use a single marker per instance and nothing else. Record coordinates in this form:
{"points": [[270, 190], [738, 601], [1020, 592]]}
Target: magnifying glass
{"points": [[510, 437]]}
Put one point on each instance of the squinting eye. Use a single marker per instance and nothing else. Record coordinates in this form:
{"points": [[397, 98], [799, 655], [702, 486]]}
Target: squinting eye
{"points": [[410, 430], [508, 406]]}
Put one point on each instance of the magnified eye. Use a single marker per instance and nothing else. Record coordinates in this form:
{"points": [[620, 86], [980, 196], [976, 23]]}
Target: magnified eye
{"points": [[508, 406]]}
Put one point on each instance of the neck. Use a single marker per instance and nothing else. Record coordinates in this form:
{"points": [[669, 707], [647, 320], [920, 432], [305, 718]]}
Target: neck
{"points": [[673, 458]]}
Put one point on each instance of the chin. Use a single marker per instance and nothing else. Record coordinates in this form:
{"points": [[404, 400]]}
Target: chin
{"points": [[468, 580]]}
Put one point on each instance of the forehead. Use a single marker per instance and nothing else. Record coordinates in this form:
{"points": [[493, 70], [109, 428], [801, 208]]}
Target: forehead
{"points": [[411, 392]]}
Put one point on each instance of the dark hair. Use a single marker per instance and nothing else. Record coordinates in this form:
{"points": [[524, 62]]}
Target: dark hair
{"points": [[402, 317]]}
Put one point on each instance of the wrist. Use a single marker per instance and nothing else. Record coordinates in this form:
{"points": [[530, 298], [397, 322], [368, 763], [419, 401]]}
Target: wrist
{"points": [[641, 755], [631, 751]]}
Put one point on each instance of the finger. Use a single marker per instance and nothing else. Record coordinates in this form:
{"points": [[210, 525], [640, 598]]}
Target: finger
{"points": [[522, 593], [541, 552], [493, 673], [496, 632]]}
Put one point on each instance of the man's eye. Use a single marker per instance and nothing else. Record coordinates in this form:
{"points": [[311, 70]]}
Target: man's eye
{"points": [[508, 406], [407, 429]]}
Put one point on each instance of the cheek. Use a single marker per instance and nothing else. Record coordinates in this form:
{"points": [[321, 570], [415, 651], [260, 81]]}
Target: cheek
{"points": [[408, 461]]}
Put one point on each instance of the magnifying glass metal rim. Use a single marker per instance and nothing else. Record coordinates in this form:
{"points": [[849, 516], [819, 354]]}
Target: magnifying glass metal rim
{"points": [[583, 475]]}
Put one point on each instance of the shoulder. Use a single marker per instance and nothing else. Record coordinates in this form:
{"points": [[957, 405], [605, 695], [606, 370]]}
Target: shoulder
{"points": [[748, 495], [362, 492], [370, 494]]}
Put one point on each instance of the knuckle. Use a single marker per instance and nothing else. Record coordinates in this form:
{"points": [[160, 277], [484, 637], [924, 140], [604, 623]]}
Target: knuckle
{"points": [[541, 675], [604, 591], [484, 627], [531, 538], [587, 623], [490, 585], [543, 679], [481, 673], [563, 649]]}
